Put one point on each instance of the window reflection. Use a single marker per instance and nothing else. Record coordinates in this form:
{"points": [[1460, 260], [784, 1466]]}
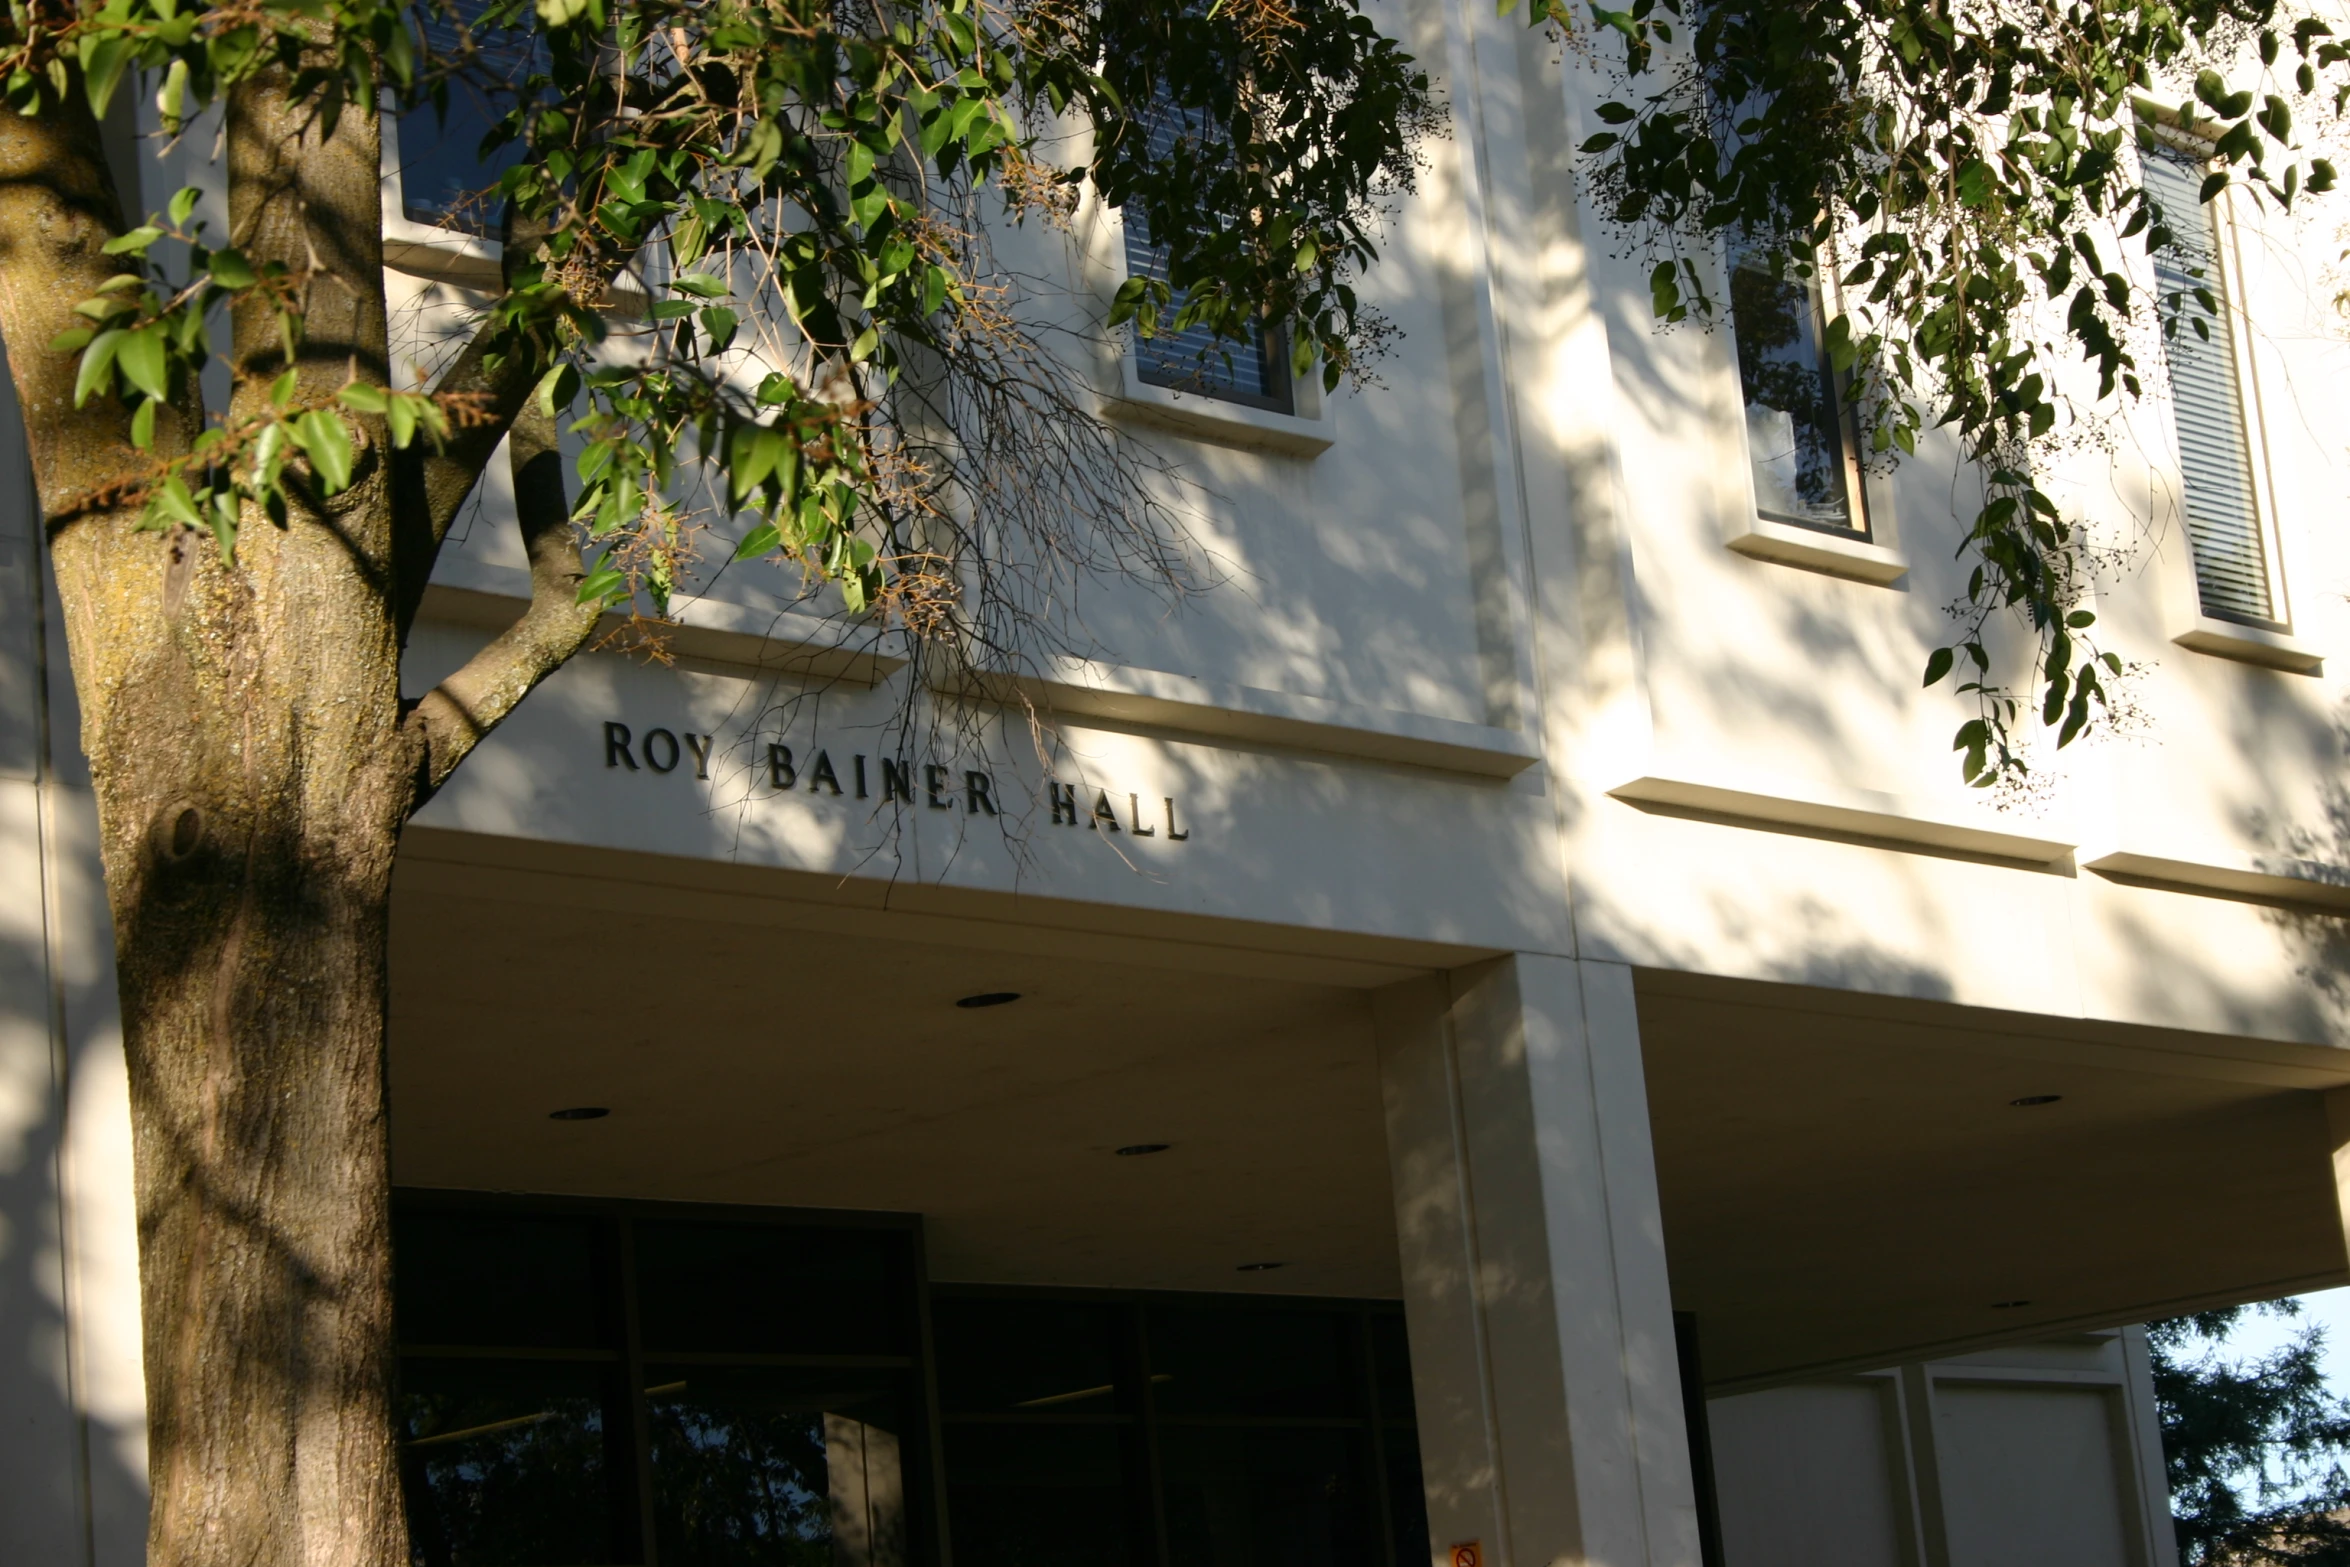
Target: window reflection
{"points": [[1042, 1496], [759, 1467], [768, 1426], [506, 1463], [1265, 1497], [1796, 432], [1198, 1432], [590, 1385]]}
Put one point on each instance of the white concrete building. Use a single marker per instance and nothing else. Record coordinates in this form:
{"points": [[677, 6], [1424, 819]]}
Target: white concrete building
{"points": [[1525, 903]]}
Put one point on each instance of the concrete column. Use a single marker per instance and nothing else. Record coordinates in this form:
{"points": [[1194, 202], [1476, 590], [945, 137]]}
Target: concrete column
{"points": [[72, 1399], [1533, 1258]]}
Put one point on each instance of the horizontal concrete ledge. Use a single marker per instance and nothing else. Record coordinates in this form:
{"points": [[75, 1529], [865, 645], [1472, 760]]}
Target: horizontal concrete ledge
{"points": [[2252, 645], [765, 641], [1815, 549], [1876, 818], [2287, 884], [1226, 424], [1075, 688]]}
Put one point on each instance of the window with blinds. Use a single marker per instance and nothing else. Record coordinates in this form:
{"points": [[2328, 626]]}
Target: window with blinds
{"points": [[2233, 577], [1196, 360]]}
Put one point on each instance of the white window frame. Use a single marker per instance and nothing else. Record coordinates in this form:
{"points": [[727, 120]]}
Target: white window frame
{"points": [[2274, 645], [1308, 430], [427, 249]]}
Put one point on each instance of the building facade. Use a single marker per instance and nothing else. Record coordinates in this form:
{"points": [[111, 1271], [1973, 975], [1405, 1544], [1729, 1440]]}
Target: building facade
{"points": [[1478, 1035]]}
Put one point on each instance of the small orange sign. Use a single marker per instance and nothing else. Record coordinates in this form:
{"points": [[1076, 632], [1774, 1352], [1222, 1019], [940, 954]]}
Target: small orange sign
{"points": [[1468, 1554]]}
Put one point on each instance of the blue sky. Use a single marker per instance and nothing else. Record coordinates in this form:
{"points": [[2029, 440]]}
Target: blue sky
{"points": [[2262, 1332]]}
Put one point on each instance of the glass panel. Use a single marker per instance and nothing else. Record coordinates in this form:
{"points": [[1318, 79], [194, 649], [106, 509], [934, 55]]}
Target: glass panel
{"points": [[1253, 1362], [1407, 1497], [996, 1355], [1266, 1497], [506, 1463], [746, 1288], [1391, 1365], [1794, 428], [771, 1468], [443, 175], [498, 1279], [1041, 1496]]}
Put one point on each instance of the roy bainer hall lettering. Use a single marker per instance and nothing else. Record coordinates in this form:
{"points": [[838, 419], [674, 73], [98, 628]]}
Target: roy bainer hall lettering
{"points": [[1488, 1033], [891, 781]]}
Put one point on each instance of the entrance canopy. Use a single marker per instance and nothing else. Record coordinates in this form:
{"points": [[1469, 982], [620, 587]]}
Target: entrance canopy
{"points": [[1176, 1104]]}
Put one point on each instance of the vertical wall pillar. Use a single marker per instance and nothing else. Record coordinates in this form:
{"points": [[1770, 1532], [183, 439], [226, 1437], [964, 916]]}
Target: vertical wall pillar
{"points": [[40, 1475], [1534, 1269], [73, 1483]]}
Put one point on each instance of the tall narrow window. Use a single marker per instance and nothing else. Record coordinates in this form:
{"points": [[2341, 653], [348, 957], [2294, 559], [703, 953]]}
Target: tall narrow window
{"points": [[1249, 372], [1798, 431], [2224, 532]]}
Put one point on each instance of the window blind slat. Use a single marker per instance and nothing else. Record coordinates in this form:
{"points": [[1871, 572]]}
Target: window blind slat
{"points": [[2224, 529]]}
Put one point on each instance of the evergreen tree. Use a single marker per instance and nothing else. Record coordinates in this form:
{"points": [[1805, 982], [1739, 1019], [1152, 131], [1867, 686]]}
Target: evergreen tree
{"points": [[2253, 1445]]}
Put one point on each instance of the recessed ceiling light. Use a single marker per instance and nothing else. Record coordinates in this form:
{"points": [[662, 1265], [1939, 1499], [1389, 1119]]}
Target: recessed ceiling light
{"points": [[1137, 1150], [990, 998], [1259, 1267], [579, 1113], [2009, 1305], [2030, 1100]]}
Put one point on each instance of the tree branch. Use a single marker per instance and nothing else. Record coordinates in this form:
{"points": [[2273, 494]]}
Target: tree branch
{"points": [[454, 716], [429, 486]]}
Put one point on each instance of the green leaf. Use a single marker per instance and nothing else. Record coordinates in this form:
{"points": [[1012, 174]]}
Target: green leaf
{"points": [[173, 501], [751, 453], [1938, 664], [400, 414], [758, 542], [1664, 292], [701, 285], [231, 270], [145, 360], [104, 56], [360, 397], [323, 437], [97, 364], [143, 425], [602, 585], [558, 389], [183, 203], [71, 339], [133, 243]]}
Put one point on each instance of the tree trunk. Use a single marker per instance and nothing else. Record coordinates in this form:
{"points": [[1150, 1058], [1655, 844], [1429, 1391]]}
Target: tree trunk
{"points": [[243, 725]]}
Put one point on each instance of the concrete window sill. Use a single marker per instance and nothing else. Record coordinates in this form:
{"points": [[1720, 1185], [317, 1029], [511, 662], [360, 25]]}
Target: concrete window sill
{"points": [[1814, 549], [2252, 645]]}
